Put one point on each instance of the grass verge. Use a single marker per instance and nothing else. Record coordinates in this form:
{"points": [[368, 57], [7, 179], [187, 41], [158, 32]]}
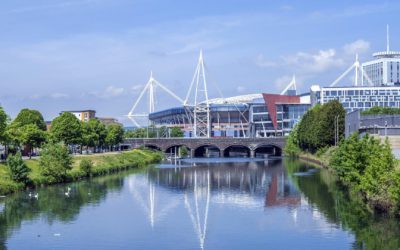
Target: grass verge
{"points": [[102, 164]]}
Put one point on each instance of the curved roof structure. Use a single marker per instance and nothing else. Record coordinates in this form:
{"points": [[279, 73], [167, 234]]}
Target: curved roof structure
{"points": [[236, 99]]}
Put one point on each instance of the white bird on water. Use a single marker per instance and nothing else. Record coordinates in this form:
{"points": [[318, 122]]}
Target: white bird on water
{"points": [[36, 196], [67, 193]]}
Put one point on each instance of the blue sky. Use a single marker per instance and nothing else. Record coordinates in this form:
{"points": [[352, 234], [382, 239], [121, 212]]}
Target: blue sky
{"points": [[78, 54]]}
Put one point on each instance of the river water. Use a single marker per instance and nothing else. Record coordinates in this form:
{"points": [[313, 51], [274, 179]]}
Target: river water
{"points": [[234, 204]]}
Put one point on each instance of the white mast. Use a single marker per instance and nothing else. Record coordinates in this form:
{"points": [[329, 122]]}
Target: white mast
{"points": [[292, 85], [387, 38], [357, 71], [150, 87], [200, 107]]}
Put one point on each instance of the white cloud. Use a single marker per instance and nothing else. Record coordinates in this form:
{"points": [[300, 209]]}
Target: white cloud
{"points": [[315, 63], [359, 46], [109, 92], [137, 88], [59, 96]]}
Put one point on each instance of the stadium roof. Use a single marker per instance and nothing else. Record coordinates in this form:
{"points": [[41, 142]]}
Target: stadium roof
{"points": [[236, 99]]}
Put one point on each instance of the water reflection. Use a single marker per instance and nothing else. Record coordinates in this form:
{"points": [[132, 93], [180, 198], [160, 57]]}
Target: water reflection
{"points": [[208, 206], [243, 184]]}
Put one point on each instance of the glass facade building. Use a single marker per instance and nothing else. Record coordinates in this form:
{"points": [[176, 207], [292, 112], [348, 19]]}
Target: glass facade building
{"points": [[361, 97]]}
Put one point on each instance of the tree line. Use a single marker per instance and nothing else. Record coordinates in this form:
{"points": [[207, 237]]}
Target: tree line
{"points": [[153, 132], [28, 130], [320, 127]]}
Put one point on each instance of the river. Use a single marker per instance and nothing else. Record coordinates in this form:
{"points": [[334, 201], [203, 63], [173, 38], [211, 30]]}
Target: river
{"points": [[217, 204]]}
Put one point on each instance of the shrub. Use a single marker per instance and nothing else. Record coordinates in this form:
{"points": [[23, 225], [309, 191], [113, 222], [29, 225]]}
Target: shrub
{"points": [[55, 161], [19, 171], [86, 165], [368, 166], [184, 151]]}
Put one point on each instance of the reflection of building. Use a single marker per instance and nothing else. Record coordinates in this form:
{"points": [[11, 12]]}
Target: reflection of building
{"points": [[83, 115], [249, 183], [274, 199]]}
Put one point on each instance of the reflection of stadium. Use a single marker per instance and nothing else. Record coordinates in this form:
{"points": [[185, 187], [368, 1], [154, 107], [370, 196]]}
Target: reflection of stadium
{"points": [[248, 182], [244, 184]]}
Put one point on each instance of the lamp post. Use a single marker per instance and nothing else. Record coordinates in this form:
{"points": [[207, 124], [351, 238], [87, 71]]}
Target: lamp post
{"points": [[385, 128]]}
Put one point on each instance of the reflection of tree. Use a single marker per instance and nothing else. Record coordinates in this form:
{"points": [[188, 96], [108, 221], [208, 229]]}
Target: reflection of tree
{"points": [[340, 207], [55, 203]]}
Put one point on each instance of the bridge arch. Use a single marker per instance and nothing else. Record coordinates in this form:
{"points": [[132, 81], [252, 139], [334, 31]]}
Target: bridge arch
{"points": [[237, 150], [207, 150], [152, 147], [264, 149]]}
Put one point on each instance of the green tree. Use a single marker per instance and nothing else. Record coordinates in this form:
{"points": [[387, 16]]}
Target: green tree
{"points": [[86, 165], [32, 136], [176, 132], [183, 151], [377, 110], [19, 171], [318, 125], [67, 128], [30, 116], [292, 149], [368, 166], [55, 161], [94, 133], [27, 129], [3, 125], [140, 133], [115, 135]]}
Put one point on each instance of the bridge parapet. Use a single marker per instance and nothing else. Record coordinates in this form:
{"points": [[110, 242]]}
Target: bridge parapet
{"points": [[194, 143]]}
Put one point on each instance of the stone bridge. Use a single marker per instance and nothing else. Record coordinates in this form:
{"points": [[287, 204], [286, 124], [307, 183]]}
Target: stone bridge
{"points": [[223, 146]]}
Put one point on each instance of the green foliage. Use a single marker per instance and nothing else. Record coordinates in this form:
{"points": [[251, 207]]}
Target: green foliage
{"points": [[368, 166], [86, 165], [115, 135], [140, 133], [3, 124], [29, 116], [292, 149], [183, 151], [176, 132], [32, 136], [93, 133], [18, 170], [377, 110], [66, 128], [55, 161], [317, 127], [28, 129]]}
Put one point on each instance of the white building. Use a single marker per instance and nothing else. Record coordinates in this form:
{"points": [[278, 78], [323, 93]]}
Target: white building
{"points": [[83, 115], [358, 97], [384, 69]]}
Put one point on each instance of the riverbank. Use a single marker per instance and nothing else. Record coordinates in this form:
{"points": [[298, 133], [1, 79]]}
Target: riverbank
{"points": [[375, 182], [102, 164]]}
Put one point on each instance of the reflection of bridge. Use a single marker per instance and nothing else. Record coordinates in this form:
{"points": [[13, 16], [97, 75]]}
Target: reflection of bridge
{"points": [[198, 147]]}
